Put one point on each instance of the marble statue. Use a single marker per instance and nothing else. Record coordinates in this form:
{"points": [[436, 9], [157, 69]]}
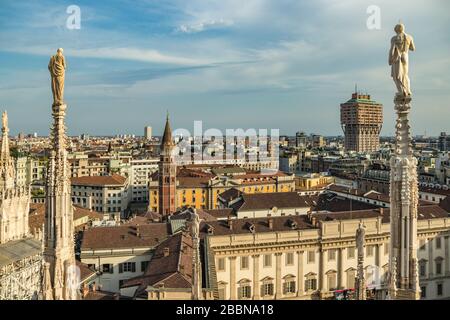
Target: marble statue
{"points": [[195, 224], [57, 67], [360, 237], [398, 59], [5, 120]]}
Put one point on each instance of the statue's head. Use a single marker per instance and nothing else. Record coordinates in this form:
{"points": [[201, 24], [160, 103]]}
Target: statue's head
{"points": [[399, 28], [60, 51]]}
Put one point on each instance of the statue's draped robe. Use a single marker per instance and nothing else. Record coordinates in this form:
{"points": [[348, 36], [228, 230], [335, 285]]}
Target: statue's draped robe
{"points": [[398, 59], [57, 67]]}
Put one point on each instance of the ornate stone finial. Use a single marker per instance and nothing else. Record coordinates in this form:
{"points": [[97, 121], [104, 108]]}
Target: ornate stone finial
{"points": [[57, 67], [401, 44]]}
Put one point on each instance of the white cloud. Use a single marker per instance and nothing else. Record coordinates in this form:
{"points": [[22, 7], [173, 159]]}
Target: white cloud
{"points": [[204, 25], [134, 54]]}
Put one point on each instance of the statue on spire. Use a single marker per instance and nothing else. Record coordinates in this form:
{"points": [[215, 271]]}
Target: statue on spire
{"points": [[398, 59], [5, 121], [57, 67]]}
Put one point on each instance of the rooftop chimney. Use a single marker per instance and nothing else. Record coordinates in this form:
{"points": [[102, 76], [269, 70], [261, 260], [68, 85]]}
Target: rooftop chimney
{"points": [[166, 252], [313, 221]]}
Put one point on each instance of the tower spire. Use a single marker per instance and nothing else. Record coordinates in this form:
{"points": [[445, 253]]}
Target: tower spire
{"points": [[7, 171], [59, 253], [403, 263]]}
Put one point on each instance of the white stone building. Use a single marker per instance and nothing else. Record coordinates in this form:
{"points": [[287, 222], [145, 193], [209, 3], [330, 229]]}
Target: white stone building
{"points": [[314, 256], [109, 195], [120, 253]]}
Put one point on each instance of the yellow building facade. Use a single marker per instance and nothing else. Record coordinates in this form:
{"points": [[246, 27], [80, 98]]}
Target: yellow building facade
{"points": [[202, 193]]}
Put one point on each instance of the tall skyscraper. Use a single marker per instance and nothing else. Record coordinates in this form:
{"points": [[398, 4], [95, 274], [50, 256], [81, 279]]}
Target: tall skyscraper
{"points": [[167, 174], [148, 133], [361, 121]]}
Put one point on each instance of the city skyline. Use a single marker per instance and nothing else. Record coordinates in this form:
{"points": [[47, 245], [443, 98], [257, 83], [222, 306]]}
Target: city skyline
{"points": [[259, 65]]}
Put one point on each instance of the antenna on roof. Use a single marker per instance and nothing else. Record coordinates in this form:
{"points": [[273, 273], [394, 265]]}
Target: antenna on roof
{"points": [[356, 88]]}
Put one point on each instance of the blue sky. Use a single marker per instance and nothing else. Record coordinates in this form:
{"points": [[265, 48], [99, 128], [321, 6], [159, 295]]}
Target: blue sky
{"points": [[280, 64]]}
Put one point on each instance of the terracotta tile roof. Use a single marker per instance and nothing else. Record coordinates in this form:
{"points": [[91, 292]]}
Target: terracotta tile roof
{"points": [[220, 213], [186, 213], [36, 217], [230, 194], [262, 201], [126, 236], [79, 212], [192, 182], [170, 266], [445, 204], [101, 295], [440, 191], [114, 180], [85, 271], [331, 202], [284, 223]]}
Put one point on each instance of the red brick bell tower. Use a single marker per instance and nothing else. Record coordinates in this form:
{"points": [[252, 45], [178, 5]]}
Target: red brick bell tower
{"points": [[167, 174]]}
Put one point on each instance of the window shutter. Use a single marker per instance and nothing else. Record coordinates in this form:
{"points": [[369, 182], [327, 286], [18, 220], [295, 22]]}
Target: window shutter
{"points": [[111, 268], [285, 288], [133, 266], [240, 293], [120, 268]]}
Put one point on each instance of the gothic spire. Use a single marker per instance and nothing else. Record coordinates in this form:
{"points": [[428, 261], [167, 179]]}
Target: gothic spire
{"points": [[7, 171]]}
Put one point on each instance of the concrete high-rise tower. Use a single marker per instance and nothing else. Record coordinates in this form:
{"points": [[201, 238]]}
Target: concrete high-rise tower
{"points": [[361, 121], [167, 174]]}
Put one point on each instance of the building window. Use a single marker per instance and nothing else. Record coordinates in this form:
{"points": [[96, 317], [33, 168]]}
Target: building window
{"points": [[370, 251], [289, 258], [423, 268], [289, 287], [351, 275], [267, 260], [127, 267], [331, 255], [245, 291], [244, 262], [221, 264], [331, 281], [311, 284], [440, 289], [107, 268], [438, 266], [144, 265], [311, 256], [423, 293], [267, 289], [438, 242], [351, 253]]}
